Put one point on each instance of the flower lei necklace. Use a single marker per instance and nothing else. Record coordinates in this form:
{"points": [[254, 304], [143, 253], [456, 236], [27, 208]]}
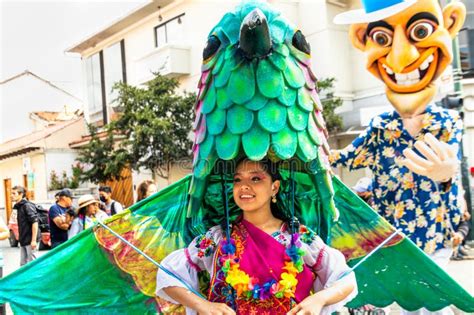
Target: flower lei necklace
{"points": [[249, 287]]}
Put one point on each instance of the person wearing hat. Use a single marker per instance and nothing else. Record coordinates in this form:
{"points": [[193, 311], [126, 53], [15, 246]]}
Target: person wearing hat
{"points": [[59, 223], [87, 213], [408, 46]]}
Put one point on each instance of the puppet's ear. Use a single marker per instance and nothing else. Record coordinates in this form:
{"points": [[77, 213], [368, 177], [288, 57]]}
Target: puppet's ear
{"points": [[357, 35], [454, 15]]}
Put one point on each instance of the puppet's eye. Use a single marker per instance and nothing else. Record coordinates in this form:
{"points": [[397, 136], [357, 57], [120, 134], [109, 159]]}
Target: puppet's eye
{"points": [[213, 44], [421, 31], [300, 43], [382, 38]]}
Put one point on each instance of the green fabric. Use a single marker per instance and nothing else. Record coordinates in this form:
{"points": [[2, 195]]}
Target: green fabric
{"points": [[74, 278], [82, 276], [401, 273]]}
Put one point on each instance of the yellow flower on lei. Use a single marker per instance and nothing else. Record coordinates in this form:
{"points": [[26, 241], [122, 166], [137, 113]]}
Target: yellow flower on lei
{"points": [[288, 280], [236, 277], [290, 268]]}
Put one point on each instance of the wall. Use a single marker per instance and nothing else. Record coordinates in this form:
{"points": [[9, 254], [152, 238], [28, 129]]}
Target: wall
{"points": [[13, 168]]}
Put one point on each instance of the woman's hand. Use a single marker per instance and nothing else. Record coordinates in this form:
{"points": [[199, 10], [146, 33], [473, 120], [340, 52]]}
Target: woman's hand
{"points": [[209, 308], [312, 305]]}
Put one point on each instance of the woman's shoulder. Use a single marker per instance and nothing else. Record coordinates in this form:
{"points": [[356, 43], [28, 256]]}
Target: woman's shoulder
{"points": [[206, 243]]}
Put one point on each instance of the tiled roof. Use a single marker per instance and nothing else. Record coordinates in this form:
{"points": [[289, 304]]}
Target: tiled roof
{"points": [[31, 141]]}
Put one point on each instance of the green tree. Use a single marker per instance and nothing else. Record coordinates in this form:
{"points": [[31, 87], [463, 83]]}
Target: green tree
{"points": [[99, 161], [330, 103], [154, 130]]}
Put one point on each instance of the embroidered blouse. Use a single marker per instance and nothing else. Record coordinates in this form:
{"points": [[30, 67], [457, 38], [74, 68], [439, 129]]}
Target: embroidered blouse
{"points": [[425, 211], [325, 265]]}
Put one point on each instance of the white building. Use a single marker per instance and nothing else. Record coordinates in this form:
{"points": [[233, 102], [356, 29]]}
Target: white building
{"points": [[38, 120], [168, 36]]}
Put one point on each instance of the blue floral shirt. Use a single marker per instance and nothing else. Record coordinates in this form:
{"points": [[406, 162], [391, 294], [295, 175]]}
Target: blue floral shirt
{"points": [[426, 211]]}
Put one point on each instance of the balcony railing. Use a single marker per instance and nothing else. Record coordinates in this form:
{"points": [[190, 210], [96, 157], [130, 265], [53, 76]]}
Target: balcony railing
{"points": [[169, 60]]}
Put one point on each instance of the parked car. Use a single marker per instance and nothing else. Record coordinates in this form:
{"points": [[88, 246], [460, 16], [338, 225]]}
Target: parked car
{"points": [[45, 240]]}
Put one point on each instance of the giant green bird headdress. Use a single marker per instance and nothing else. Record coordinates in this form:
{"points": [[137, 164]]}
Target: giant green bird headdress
{"points": [[257, 98]]}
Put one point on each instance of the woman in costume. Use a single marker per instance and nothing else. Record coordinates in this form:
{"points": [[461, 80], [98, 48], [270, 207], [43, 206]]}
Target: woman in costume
{"points": [[270, 265]]}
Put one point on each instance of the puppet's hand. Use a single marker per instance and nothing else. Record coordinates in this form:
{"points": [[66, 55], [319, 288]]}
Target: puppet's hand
{"points": [[439, 161]]}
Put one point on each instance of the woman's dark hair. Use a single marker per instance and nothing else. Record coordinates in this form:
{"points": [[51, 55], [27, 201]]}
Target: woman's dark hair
{"points": [[143, 188], [105, 189], [82, 211]]}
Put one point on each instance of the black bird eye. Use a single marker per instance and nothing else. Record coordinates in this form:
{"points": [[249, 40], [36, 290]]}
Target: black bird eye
{"points": [[299, 41], [213, 44]]}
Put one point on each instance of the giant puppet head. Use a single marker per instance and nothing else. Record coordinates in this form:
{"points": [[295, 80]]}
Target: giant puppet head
{"points": [[408, 46]]}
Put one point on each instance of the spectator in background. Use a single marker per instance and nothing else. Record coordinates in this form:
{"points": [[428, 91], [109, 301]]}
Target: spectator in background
{"points": [[27, 219], [146, 189], [461, 233], [363, 189], [59, 223], [4, 234], [112, 207], [88, 212]]}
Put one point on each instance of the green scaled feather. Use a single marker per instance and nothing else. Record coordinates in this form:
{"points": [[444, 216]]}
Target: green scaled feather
{"points": [[278, 29], [284, 143], [272, 117], [305, 101], [216, 121], [294, 75], [306, 151], [239, 119], [256, 143], [206, 147], [227, 145], [257, 102], [209, 101], [278, 61], [313, 131], [282, 50], [269, 79], [298, 119], [223, 99], [222, 78], [220, 62], [241, 86], [204, 166], [288, 97]]}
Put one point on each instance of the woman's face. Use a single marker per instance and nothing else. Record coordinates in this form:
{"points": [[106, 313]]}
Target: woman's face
{"points": [[151, 190], [92, 209], [253, 186]]}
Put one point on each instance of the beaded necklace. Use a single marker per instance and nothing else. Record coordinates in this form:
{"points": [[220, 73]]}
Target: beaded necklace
{"points": [[249, 287]]}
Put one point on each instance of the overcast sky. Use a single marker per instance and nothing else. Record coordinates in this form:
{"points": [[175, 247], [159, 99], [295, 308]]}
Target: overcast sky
{"points": [[35, 34]]}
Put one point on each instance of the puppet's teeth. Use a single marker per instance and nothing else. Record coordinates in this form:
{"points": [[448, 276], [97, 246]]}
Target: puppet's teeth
{"points": [[415, 74], [387, 69]]}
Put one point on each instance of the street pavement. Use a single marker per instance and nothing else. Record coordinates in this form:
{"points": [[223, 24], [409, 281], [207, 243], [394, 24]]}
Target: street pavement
{"points": [[461, 271]]}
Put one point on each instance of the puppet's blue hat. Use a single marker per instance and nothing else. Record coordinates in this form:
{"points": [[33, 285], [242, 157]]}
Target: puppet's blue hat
{"points": [[374, 10]]}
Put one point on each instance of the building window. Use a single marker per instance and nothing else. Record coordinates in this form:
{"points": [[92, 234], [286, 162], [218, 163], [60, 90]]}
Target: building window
{"points": [[114, 70], [94, 83], [103, 70], [466, 42], [170, 32]]}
